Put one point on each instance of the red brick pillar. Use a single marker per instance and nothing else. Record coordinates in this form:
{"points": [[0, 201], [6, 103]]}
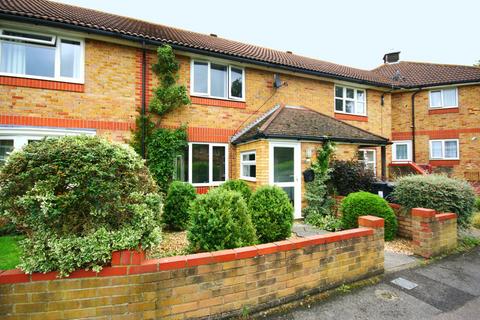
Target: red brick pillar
{"points": [[424, 229], [377, 245]]}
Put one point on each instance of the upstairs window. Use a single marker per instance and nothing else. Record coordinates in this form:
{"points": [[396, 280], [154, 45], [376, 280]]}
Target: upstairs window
{"points": [[350, 100], [444, 98], [217, 80], [40, 56], [444, 149]]}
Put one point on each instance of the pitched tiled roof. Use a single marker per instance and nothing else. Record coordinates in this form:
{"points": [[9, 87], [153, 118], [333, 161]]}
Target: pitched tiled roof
{"points": [[68, 16], [71, 15], [300, 123], [420, 74]]}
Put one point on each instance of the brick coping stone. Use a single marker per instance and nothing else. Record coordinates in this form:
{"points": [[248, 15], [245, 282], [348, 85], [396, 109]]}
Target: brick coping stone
{"points": [[129, 262]]}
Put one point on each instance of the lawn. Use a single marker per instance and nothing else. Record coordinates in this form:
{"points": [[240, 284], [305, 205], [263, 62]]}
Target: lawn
{"points": [[9, 252]]}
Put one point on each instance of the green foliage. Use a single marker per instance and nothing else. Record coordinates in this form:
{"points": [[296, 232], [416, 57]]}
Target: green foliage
{"points": [[176, 214], [476, 220], [77, 199], [8, 229], [163, 147], [350, 176], [319, 203], [327, 222], [9, 252], [272, 214], [477, 203], [364, 203], [436, 192], [220, 220], [240, 186]]}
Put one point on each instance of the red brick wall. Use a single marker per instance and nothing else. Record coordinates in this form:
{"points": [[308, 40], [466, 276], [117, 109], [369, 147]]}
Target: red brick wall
{"points": [[220, 283]]}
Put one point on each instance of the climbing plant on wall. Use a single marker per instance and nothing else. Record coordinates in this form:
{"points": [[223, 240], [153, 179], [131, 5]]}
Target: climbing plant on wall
{"points": [[162, 145]]}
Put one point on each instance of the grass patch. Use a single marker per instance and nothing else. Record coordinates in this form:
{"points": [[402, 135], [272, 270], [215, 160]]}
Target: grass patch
{"points": [[9, 252]]}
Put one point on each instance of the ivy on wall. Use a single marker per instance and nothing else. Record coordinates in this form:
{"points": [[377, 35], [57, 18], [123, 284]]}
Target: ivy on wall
{"points": [[162, 145]]}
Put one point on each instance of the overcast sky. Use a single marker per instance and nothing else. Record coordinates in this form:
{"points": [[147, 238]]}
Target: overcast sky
{"points": [[353, 33]]}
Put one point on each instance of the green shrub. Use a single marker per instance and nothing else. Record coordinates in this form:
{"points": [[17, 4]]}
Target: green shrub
{"points": [[350, 176], [240, 186], [477, 204], [272, 213], [364, 203], [325, 222], [77, 199], [476, 220], [220, 220], [436, 192], [176, 214]]}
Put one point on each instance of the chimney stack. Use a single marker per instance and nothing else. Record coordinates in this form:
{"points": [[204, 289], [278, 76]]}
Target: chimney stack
{"points": [[391, 57]]}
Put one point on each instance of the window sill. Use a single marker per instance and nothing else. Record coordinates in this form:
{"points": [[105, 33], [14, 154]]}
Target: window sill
{"points": [[444, 162], [443, 110], [41, 84], [249, 179], [350, 117], [217, 102]]}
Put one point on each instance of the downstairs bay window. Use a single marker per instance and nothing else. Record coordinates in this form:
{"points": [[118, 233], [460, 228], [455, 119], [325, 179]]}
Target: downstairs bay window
{"points": [[41, 56], [444, 149], [203, 164]]}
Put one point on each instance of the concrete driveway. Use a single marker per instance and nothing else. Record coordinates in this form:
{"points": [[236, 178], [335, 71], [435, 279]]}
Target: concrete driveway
{"points": [[447, 289]]}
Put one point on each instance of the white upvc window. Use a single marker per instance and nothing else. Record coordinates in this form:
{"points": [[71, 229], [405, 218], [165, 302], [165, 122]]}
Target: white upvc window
{"points": [[402, 151], [444, 98], [248, 165], [447, 149], [350, 100], [15, 138], [217, 80], [207, 163], [368, 158], [41, 56]]}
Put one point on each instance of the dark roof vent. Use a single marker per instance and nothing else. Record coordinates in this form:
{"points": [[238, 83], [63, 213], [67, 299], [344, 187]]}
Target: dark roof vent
{"points": [[289, 52], [391, 57], [213, 35]]}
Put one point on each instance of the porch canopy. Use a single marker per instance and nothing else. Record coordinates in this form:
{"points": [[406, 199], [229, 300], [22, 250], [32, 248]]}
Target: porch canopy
{"points": [[300, 123]]}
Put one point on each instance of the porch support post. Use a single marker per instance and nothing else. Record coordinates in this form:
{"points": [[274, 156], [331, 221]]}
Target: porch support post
{"points": [[384, 162]]}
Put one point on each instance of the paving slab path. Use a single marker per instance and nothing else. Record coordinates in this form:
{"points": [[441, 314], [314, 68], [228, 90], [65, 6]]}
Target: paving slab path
{"points": [[446, 289]]}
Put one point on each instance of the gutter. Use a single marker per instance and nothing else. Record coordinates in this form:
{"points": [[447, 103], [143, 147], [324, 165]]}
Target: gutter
{"points": [[413, 122], [315, 138], [181, 47]]}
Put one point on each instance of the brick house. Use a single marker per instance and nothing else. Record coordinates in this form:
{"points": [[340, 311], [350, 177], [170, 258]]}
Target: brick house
{"points": [[256, 113]]}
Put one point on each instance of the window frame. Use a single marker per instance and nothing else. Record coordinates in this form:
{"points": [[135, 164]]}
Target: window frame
{"points": [[229, 82], [344, 99], [56, 42], [248, 162], [409, 150], [430, 143], [374, 159], [441, 93], [210, 163]]}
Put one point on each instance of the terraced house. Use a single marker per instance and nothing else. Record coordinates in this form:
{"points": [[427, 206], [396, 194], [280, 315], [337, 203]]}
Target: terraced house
{"points": [[257, 114]]}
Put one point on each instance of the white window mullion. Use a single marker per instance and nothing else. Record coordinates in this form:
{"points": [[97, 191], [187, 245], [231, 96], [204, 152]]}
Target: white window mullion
{"points": [[209, 79], [190, 161], [210, 163]]}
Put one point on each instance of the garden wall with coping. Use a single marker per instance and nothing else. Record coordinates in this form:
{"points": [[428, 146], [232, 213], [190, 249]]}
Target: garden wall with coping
{"points": [[204, 285], [433, 233]]}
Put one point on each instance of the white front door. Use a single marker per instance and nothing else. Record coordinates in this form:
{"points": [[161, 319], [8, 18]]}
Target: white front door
{"points": [[285, 171]]}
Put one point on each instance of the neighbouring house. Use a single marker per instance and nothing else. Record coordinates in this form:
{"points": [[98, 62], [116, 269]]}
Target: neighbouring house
{"points": [[257, 114]]}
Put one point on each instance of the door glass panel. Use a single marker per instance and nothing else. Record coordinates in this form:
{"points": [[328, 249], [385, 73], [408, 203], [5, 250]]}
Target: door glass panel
{"points": [[218, 163], [283, 166], [200, 163], [6, 146], [291, 194]]}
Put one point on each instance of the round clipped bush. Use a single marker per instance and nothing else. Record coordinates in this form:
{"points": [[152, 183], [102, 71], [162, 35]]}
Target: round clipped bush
{"points": [[77, 199], [364, 203], [272, 213], [176, 215], [238, 185], [220, 220], [436, 192]]}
